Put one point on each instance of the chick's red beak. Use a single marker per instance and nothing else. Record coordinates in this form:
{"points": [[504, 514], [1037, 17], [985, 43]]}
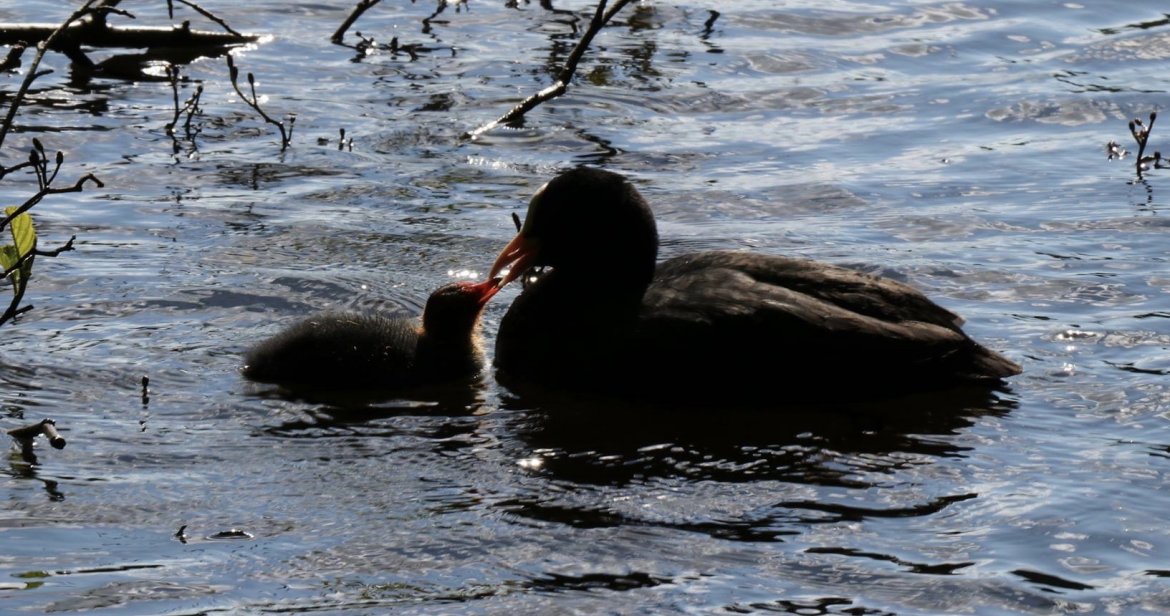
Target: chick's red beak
{"points": [[517, 257]]}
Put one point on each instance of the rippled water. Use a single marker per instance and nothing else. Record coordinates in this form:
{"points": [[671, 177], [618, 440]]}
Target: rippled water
{"points": [[959, 147]]}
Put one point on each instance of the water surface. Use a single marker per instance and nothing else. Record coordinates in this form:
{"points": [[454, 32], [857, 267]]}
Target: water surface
{"points": [[959, 147]]}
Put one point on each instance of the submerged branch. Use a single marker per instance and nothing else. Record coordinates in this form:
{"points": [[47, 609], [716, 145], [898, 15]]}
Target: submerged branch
{"points": [[25, 436], [11, 61], [97, 34], [47, 427]]}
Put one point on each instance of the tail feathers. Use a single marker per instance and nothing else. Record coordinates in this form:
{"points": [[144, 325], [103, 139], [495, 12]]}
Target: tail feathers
{"points": [[985, 364]]}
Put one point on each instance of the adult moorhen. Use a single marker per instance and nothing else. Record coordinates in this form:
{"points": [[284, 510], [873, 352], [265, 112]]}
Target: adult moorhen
{"points": [[712, 326]]}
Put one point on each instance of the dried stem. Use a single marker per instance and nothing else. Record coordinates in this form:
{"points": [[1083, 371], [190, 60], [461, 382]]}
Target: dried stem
{"points": [[66, 247], [1141, 134], [14, 308], [190, 108]]}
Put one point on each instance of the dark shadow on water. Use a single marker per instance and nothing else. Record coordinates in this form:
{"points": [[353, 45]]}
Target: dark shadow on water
{"points": [[333, 410], [597, 445], [606, 441], [23, 465]]}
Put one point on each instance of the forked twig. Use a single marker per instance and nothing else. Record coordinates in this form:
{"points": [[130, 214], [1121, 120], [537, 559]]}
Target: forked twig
{"points": [[39, 162], [254, 103], [1141, 134]]}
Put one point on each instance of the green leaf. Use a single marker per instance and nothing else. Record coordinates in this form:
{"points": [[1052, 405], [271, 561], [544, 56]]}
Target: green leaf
{"points": [[8, 257], [22, 231], [24, 239]]}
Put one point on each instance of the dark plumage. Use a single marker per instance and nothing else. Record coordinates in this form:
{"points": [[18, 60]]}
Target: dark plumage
{"points": [[727, 326], [346, 350]]}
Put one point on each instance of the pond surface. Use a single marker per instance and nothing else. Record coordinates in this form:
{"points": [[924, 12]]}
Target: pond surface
{"points": [[959, 147]]}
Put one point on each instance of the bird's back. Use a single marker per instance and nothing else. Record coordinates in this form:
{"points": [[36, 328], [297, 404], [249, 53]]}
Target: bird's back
{"points": [[338, 348], [767, 322]]}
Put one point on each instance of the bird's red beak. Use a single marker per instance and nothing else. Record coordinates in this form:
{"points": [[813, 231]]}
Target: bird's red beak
{"points": [[517, 256], [484, 290]]}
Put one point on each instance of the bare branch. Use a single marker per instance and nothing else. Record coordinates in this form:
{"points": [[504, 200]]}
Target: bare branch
{"points": [[362, 7], [600, 17], [190, 107], [66, 247], [18, 289], [35, 199], [33, 73]]}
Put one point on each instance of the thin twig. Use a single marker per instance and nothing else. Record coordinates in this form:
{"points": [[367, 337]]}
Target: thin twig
{"points": [[38, 160], [66, 247], [190, 107], [254, 103], [35, 199], [206, 13], [600, 17]]}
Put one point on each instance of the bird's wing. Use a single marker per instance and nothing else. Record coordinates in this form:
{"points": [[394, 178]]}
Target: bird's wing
{"points": [[792, 315], [879, 298]]}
